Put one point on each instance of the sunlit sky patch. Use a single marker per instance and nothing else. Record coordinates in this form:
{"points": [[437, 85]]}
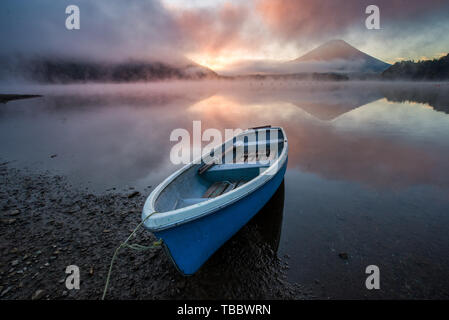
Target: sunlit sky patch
{"points": [[192, 4], [405, 35]]}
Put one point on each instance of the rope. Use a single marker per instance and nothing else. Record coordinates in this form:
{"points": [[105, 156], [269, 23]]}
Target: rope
{"points": [[134, 246]]}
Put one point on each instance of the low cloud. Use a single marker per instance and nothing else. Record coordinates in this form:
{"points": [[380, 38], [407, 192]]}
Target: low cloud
{"points": [[110, 30], [146, 29], [276, 67]]}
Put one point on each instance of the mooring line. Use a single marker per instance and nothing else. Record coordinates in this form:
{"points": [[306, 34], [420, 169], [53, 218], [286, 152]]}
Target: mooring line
{"points": [[134, 246]]}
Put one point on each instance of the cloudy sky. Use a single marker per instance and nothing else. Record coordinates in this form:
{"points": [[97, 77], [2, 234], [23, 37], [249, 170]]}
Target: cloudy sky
{"points": [[219, 33]]}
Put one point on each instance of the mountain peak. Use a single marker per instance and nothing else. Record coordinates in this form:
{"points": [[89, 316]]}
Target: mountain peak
{"points": [[338, 42], [338, 50], [333, 50]]}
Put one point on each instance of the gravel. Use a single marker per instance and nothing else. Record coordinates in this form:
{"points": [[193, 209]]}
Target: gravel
{"points": [[54, 225]]}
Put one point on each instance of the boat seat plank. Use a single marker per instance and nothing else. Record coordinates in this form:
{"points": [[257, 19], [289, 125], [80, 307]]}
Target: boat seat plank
{"points": [[218, 188], [205, 167], [213, 191], [259, 143], [239, 166], [254, 157], [235, 171]]}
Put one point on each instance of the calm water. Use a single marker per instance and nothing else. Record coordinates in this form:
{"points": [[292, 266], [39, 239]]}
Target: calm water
{"points": [[368, 171]]}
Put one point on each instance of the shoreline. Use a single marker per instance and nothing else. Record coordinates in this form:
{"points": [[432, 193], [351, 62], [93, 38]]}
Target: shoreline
{"points": [[46, 225], [4, 98]]}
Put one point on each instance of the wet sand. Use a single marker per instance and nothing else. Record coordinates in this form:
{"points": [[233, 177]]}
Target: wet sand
{"points": [[46, 224]]}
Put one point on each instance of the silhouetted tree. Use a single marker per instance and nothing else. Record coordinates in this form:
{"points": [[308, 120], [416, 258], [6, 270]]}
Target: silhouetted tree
{"points": [[437, 69]]}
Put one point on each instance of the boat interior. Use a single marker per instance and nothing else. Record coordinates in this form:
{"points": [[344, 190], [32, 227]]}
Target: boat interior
{"points": [[240, 160]]}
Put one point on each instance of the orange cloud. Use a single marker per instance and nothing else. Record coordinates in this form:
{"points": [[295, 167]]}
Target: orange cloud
{"points": [[213, 31], [303, 20]]}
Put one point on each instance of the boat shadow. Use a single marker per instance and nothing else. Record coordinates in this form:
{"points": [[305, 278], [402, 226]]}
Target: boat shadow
{"points": [[263, 230], [268, 221], [246, 266]]}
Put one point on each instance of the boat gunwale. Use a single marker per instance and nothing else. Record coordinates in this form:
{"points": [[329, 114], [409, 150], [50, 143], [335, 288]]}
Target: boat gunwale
{"points": [[224, 200]]}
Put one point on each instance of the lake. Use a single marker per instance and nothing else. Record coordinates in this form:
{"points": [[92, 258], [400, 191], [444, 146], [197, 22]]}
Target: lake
{"points": [[367, 180]]}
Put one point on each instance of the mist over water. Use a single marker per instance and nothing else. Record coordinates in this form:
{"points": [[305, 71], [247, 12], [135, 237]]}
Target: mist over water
{"points": [[368, 173]]}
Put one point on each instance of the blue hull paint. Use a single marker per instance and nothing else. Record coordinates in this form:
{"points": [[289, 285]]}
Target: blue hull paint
{"points": [[192, 243]]}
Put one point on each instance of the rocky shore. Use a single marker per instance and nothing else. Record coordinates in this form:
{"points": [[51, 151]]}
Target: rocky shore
{"points": [[46, 225]]}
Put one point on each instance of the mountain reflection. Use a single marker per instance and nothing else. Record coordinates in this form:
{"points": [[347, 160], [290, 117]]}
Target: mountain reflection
{"points": [[385, 135], [349, 133], [434, 94]]}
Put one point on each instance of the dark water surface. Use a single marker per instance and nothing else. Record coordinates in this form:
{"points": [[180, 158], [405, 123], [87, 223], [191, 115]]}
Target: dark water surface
{"points": [[368, 171]]}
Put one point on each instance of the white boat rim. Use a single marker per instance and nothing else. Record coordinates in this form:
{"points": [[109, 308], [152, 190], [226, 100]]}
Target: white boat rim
{"points": [[165, 220]]}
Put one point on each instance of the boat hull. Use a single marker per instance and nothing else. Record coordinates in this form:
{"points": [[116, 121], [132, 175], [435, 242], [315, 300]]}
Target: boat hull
{"points": [[192, 243]]}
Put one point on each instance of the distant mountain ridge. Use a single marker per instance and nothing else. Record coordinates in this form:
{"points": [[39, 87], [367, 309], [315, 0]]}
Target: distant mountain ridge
{"points": [[335, 60], [335, 56], [436, 69], [315, 76], [341, 56], [60, 70]]}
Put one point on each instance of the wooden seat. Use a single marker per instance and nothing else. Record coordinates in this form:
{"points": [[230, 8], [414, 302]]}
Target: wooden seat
{"points": [[218, 188], [221, 187]]}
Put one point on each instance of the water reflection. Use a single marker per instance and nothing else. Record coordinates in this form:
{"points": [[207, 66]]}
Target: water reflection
{"points": [[380, 144], [247, 264], [339, 131], [435, 95], [269, 219], [368, 171]]}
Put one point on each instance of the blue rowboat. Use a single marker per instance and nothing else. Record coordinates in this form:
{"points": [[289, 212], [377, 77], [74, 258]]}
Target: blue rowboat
{"points": [[202, 205]]}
